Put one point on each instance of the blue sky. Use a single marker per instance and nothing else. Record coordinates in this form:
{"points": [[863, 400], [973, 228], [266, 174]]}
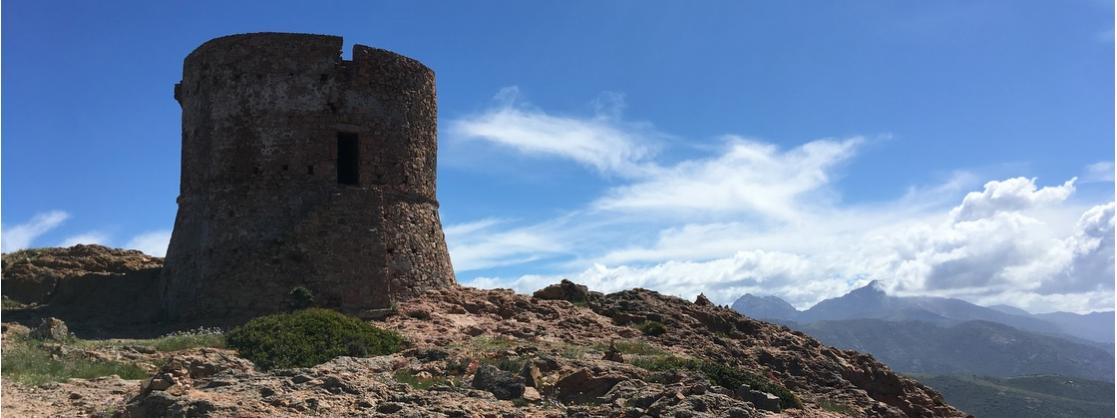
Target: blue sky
{"points": [[791, 148]]}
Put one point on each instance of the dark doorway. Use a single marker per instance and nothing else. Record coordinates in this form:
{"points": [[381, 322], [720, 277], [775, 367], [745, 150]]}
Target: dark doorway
{"points": [[348, 161]]}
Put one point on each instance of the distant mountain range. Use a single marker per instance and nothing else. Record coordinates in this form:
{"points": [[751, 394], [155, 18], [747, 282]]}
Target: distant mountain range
{"points": [[936, 335], [871, 302]]}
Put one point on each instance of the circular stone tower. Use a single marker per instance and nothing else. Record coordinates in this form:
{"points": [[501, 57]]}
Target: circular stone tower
{"points": [[300, 168]]}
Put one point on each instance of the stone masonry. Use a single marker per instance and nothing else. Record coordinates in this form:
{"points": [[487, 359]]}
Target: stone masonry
{"points": [[300, 168]]}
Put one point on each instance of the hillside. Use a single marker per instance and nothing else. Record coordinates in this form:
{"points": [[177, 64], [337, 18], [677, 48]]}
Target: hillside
{"points": [[972, 347], [1026, 397], [565, 351]]}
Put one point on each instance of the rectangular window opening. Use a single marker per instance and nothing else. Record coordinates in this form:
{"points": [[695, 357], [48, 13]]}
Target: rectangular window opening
{"points": [[348, 161]]}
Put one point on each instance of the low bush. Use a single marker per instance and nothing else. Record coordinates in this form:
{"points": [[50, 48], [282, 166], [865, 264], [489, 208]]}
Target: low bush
{"points": [[309, 337], [720, 374], [31, 362], [652, 328], [301, 298]]}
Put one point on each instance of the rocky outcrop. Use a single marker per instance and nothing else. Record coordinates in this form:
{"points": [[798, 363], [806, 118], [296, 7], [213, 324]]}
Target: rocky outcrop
{"points": [[95, 289], [46, 275], [51, 329], [566, 290]]}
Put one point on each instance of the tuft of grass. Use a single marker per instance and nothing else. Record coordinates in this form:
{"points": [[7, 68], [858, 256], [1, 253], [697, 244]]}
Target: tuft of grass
{"points": [[309, 337], [652, 328], [404, 376], [720, 374], [27, 361]]}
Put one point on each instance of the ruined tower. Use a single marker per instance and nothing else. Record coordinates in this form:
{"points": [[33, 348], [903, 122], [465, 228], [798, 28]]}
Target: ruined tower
{"points": [[300, 168]]}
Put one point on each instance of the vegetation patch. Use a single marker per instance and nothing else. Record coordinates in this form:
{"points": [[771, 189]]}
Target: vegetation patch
{"points": [[309, 337], [840, 408], [424, 383], [300, 298], [720, 374], [175, 341], [652, 328], [633, 347], [32, 362]]}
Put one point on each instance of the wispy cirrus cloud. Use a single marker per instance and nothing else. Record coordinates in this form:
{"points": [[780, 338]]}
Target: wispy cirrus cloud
{"points": [[602, 142], [20, 236]]}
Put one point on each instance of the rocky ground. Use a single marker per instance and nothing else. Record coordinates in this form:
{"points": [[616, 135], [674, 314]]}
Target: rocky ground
{"points": [[493, 353]]}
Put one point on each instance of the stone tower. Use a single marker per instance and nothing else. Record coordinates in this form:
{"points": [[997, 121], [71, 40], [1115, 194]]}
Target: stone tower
{"points": [[300, 168]]}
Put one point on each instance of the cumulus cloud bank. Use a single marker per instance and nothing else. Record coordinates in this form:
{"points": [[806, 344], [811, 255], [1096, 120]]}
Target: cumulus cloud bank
{"points": [[753, 217]]}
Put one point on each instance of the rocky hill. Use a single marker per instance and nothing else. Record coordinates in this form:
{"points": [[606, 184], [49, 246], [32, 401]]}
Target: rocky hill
{"points": [[564, 351]]}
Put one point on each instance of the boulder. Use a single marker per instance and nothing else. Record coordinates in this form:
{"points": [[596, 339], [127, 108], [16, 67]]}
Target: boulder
{"points": [[565, 290], [760, 399], [503, 385], [52, 328], [584, 386]]}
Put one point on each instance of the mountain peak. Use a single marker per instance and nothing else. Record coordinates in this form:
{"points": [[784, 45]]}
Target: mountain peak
{"points": [[874, 287]]}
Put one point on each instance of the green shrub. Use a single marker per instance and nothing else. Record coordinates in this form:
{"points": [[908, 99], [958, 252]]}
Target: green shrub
{"points": [[309, 337], [301, 298], [29, 362], [720, 374], [652, 328]]}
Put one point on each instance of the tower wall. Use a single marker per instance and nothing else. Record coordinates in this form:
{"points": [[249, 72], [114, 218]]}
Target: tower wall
{"points": [[261, 209]]}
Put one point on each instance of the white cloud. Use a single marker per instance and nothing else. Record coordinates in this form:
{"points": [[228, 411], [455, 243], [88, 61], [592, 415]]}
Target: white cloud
{"points": [[1009, 195], [755, 217], [91, 237], [603, 142], [748, 177], [1099, 172], [151, 242], [23, 235], [479, 245]]}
